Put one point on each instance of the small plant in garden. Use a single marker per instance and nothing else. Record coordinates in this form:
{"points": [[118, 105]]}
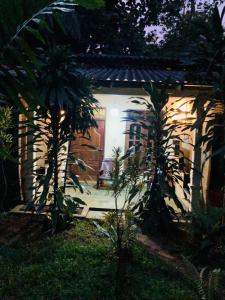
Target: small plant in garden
{"points": [[119, 224], [207, 283], [127, 230], [67, 207]]}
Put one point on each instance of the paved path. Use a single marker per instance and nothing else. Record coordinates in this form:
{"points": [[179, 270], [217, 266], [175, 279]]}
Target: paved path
{"points": [[156, 250]]}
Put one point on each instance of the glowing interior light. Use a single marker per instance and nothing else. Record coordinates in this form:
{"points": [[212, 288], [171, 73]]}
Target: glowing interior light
{"points": [[114, 112]]}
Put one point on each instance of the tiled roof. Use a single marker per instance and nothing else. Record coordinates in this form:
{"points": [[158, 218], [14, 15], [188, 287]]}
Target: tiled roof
{"points": [[134, 75], [132, 69]]}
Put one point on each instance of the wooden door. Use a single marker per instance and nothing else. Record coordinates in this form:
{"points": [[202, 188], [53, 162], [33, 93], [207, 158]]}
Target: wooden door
{"points": [[91, 157]]}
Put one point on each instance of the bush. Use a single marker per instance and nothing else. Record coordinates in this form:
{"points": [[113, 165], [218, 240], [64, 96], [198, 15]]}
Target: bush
{"points": [[207, 230]]}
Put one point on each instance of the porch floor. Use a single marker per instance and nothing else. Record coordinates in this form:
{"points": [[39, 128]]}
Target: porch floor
{"points": [[98, 198], [98, 201]]}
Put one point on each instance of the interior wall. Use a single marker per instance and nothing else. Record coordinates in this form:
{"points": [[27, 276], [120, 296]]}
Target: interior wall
{"points": [[116, 104]]}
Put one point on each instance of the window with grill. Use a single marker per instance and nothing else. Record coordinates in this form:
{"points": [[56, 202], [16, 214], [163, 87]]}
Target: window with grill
{"points": [[134, 134]]}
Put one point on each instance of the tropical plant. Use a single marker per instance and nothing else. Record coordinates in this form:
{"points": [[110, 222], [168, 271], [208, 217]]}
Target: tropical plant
{"points": [[120, 229], [161, 167], [205, 222], [68, 109], [119, 225], [18, 60], [67, 207], [18, 78], [127, 226], [207, 232], [127, 231], [127, 183], [207, 283], [13, 13], [52, 94]]}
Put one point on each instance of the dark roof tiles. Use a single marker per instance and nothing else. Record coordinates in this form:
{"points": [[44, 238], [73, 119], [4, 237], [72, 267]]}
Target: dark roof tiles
{"points": [[132, 69], [133, 74]]}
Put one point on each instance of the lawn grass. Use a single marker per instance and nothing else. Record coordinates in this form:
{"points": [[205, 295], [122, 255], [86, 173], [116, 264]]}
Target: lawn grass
{"points": [[78, 264]]}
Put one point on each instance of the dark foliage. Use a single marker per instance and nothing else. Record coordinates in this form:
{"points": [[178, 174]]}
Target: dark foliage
{"points": [[161, 168], [40, 77]]}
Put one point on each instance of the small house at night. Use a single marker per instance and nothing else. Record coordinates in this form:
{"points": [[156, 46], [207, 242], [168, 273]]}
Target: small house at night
{"points": [[117, 79]]}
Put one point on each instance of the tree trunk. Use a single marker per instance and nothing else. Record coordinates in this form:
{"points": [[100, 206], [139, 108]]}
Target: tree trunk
{"points": [[197, 201]]}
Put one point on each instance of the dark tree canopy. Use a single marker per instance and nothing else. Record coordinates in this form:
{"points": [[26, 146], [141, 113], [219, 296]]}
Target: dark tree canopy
{"points": [[123, 27], [116, 28], [185, 27]]}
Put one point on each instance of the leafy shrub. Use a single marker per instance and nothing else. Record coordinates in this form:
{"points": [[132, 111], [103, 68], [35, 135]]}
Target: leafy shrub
{"points": [[207, 230], [67, 207], [207, 282]]}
